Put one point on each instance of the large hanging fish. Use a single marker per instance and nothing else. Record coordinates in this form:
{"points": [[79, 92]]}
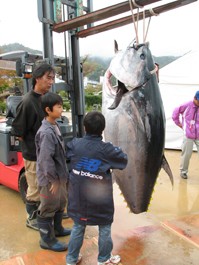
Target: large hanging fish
{"points": [[135, 121]]}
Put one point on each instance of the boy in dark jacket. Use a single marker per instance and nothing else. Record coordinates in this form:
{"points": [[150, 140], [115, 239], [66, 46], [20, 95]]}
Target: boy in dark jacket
{"points": [[52, 175], [90, 200]]}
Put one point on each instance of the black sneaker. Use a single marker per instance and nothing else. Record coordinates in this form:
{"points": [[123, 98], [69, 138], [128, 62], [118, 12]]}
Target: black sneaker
{"points": [[184, 175]]}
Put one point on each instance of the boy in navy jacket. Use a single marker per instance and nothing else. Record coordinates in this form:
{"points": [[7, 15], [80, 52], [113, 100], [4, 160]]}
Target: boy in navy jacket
{"points": [[90, 200]]}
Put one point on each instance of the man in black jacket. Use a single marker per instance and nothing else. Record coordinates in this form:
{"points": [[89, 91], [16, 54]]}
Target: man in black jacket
{"points": [[25, 125]]}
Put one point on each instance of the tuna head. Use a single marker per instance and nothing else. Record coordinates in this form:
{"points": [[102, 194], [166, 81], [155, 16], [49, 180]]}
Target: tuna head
{"points": [[132, 70], [130, 66]]}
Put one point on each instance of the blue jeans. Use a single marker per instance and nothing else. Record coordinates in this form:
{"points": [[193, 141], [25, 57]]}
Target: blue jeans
{"points": [[105, 243]]}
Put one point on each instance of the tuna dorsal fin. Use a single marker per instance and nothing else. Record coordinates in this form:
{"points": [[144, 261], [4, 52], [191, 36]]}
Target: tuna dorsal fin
{"points": [[115, 46], [166, 167]]}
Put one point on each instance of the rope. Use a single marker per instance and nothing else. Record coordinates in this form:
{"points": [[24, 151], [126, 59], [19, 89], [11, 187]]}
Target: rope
{"points": [[147, 29], [145, 32], [135, 4], [144, 26], [152, 12], [135, 26], [137, 19], [153, 71]]}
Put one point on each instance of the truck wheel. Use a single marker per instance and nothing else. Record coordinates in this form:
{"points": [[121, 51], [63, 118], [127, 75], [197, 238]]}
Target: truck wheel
{"points": [[23, 186]]}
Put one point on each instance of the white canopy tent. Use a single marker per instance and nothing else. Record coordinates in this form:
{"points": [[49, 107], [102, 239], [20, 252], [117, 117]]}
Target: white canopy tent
{"points": [[178, 84]]}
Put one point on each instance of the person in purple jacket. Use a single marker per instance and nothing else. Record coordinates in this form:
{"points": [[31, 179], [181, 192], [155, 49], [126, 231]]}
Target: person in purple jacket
{"points": [[186, 116], [90, 190]]}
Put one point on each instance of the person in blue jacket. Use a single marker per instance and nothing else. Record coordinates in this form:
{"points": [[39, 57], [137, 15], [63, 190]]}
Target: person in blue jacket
{"points": [[90, 190]]}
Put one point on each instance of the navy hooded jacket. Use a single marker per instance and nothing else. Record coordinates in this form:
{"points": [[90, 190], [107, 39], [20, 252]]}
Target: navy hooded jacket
{"points": [[90, 194]]}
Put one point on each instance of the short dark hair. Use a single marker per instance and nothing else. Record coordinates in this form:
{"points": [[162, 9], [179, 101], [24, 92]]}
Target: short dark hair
{"points": [[41, 70], [49, 100], [94, 123]]}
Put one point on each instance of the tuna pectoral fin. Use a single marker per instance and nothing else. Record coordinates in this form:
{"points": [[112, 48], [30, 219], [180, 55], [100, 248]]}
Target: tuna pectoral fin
{"points": [[167, 169]]}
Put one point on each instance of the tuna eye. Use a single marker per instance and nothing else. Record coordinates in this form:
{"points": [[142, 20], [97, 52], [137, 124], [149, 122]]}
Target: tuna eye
{"points": [[142, 56]]}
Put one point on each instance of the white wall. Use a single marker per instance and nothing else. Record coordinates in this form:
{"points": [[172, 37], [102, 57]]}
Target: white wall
{"points": [[179, 82]]}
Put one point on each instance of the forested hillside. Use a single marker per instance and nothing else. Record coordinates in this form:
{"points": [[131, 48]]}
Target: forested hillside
{"points": [[17, 47], [93, 66]]}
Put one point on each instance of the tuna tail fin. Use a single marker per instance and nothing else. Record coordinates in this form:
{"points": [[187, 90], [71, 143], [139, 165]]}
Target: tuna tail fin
{"points": [[167, 169]]}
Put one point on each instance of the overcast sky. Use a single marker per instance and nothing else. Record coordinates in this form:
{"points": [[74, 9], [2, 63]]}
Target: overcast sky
{"points": [[171, 33]]}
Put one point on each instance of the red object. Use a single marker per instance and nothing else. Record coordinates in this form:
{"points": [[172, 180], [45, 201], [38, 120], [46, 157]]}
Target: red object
{"points": [[9, 175]]}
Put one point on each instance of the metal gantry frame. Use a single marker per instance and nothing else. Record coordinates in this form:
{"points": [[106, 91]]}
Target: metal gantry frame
{"points": [[77, 20], [73, 78]]}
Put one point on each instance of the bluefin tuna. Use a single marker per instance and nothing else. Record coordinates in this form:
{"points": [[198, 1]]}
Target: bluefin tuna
{"points": [[135, 121]]}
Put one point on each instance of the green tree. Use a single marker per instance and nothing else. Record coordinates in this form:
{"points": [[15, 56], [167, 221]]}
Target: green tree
{"points": [[92, 69], [90, 89], [95, 75], [9, 79]]}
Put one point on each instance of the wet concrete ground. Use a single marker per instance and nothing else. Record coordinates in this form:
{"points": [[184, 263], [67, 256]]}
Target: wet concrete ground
{"points": [[168, 234]]}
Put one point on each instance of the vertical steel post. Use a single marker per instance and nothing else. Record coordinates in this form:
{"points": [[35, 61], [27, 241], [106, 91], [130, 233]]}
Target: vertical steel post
{"points": [[48, 14], [78, 84], [77, 95]]}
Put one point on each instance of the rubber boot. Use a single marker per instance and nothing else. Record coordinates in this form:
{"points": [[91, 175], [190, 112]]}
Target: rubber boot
{"points": [[48, 239], [65, 216], [59, 229], [32, 208]]}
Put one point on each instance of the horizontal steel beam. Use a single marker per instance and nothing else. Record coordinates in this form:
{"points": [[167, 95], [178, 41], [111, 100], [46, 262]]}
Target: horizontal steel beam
{"points": [[98, 15], [128, 19]]}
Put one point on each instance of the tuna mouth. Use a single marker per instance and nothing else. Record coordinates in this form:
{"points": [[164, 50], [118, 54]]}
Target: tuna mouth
{"points": [[116, 91], [113, 89], [130, 70], [119, 90]]}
